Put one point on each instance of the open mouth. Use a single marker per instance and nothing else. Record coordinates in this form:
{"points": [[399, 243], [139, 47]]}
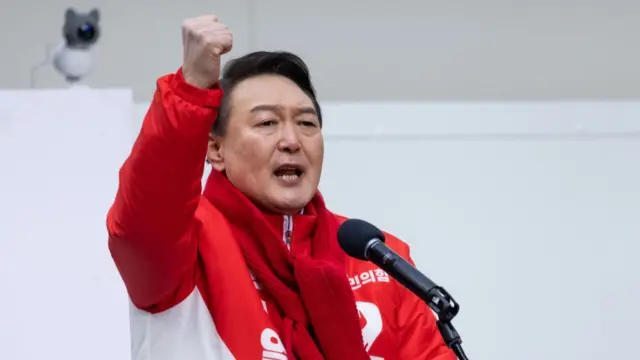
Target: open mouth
{"points": [[289, 172]]}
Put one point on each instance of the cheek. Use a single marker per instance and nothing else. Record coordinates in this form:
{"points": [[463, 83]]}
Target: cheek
{"points": [[247, 158], [316, 152]]}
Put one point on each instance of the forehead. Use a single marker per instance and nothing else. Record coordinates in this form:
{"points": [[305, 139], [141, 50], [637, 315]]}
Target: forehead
{"points": [[268, 90]]}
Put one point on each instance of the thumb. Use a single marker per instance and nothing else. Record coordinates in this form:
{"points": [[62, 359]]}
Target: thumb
{"points": [[217, 50]]}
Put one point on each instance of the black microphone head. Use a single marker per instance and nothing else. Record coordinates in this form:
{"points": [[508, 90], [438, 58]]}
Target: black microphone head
{"points": [[354, 235]]}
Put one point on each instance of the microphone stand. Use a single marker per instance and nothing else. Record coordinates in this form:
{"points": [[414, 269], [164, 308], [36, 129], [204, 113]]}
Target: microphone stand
{"points": [[446, 309]]}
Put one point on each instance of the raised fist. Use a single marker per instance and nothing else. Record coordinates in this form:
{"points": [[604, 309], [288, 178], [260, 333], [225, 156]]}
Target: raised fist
{"points": [[204, 40]]}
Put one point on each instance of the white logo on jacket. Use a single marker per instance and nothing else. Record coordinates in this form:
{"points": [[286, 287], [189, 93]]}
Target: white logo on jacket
{"points": [[272, 346], [373, 322]]}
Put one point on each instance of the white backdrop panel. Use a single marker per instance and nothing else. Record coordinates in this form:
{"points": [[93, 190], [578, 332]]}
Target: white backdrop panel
{"points": [[60, 152]]}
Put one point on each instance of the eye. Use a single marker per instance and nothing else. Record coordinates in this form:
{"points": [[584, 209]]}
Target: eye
{"points": [[307, 123], [267, 123]]}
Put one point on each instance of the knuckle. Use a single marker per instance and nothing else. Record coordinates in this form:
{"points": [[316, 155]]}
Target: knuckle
{"points": [[188, 26], [188, 22]]}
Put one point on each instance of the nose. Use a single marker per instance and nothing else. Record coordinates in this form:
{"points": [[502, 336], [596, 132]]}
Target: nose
{"points": [[289, 141]]}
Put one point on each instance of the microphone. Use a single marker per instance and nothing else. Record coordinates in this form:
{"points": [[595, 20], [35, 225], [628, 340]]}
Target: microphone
{"points": [[363, 241]]}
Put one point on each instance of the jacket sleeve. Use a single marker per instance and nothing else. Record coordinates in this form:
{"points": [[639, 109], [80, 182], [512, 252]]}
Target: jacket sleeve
{"points": [[151, 222], [419, 336]]}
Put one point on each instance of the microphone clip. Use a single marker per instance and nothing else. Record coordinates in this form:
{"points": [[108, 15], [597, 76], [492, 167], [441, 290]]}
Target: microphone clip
{"points": [[446, 308], [442, 303]]}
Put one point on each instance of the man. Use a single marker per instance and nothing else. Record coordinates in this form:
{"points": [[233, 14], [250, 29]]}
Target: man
{"points": [[250, 268]]}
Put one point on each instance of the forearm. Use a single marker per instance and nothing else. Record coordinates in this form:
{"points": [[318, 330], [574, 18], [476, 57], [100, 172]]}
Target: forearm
{"points": [[160, 184], [160, 181]]}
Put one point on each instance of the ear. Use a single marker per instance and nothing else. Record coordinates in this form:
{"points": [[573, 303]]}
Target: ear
{"points": [[69, 15], [215, 152], [95, 14]]}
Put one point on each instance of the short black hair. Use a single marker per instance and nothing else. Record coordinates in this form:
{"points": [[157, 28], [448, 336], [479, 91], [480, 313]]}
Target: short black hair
{"points": [[258, 63]]}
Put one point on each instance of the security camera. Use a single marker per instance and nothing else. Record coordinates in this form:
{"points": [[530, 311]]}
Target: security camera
{"points": [[81, 32]]}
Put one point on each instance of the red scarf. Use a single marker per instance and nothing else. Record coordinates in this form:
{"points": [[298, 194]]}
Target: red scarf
{"points": [[312, 302]]}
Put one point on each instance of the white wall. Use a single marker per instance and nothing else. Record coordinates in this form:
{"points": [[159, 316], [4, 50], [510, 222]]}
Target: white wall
{"points": [[525, 212], [362, 49]]}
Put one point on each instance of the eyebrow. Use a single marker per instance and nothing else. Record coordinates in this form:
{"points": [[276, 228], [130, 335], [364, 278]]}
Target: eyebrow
{"points": [[278, 108]]}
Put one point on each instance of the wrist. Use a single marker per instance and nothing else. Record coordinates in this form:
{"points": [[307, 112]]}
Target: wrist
{"points": [[197, 81], [207, 96]]}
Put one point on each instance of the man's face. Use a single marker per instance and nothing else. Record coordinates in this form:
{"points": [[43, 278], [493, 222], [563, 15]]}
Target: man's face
{"points": [[273, 147]]}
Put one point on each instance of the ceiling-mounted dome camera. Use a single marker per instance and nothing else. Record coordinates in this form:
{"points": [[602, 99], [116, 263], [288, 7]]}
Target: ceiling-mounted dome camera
{"points": [[80, 31]]}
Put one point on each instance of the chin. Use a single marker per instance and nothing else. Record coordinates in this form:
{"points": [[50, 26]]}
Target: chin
{"points": [[292, 204], [291, 207]]}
